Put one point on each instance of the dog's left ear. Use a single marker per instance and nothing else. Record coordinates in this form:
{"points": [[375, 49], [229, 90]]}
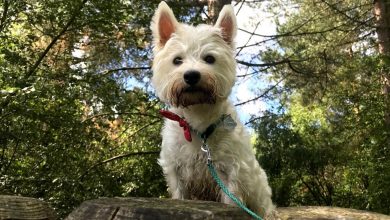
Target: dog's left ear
{"points": [[227, 23], [163, 25]]}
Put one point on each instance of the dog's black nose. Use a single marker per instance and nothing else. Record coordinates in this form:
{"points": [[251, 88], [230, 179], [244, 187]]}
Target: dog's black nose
{"points": [[192, 77]]}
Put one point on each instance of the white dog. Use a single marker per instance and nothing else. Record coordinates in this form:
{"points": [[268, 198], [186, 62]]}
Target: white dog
{"points": [[194, 72]]}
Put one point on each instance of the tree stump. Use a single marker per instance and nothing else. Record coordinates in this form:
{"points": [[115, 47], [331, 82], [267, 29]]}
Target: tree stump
{"points": [[23, 208], [326, 213], [171, 209], [17, 207], [155, 209]]}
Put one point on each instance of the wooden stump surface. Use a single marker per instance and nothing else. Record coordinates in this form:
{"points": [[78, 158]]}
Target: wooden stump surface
{"points": [[170, 209], [155, 209], [23, 208], [326, 213], [16, 207]]}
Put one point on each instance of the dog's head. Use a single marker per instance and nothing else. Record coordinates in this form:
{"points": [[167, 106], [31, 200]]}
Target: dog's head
{"points": [[193, 65]]}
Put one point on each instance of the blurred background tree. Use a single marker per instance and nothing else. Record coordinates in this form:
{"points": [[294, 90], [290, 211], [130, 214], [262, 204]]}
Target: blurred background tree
{"points": [[327, 142], [78, 118]]}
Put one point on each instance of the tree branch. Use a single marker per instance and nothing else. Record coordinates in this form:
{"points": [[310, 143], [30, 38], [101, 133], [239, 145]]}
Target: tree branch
{"points": [[137, 131], [312, 191], [119, 113], [343, 13], [250, 37], [254, 119], [293, 32], [121, 156], [4, 15], [263, 64], [263, 94], [32, 70], [106, 72]]}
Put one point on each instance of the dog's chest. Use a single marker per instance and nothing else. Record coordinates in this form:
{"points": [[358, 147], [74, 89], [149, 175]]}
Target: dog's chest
{"points": [[197, 180]]}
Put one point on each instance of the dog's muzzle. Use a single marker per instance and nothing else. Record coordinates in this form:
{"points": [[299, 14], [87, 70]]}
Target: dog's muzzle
{"points": [[192, 90]]}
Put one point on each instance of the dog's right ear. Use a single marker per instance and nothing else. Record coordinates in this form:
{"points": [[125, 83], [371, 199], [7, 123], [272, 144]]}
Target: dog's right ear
{"points": [[163, 25], [227, 23]]}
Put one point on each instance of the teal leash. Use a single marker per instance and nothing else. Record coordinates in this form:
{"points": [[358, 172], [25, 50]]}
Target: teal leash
{"points": [[214, 174]]}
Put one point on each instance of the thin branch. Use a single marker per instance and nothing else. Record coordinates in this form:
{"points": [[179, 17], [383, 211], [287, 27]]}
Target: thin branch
{"points": [[293, 32], [118, 157], [239, 9], [32, 70], [4, 15], [118, 113], [121, 156], [137, 131], [283, 34], [107, 72], [250, 37], [290, 34], [294, 69], [254, 119], [254, 72], [343, 13], [12, 158], [312, 191], [263, 64], [263, 94]]}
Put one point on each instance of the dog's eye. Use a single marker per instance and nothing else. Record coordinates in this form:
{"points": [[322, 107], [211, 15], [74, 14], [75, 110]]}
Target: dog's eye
{"points": [[209, 59], [178, 60]]}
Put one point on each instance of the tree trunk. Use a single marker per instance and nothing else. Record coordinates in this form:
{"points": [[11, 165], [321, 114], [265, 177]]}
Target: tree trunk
{"points": [[382, 14], [381, 174], [214, 7]]}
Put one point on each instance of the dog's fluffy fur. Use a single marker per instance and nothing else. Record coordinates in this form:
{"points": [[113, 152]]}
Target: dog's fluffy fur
{"points": [[183, 162]]}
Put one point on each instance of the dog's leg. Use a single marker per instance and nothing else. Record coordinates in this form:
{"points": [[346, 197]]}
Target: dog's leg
{"points": [[259, 199], [227, 200], [232, 186], [176, 186]]}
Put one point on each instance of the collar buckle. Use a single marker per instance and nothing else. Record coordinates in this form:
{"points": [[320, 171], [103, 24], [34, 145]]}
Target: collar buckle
{"points": [[205, 148]]}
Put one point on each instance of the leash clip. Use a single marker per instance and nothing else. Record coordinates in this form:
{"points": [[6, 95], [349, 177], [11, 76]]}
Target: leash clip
{"points": [[205, 148]]}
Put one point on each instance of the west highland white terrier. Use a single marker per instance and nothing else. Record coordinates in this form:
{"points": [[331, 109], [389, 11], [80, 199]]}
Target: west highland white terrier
{"points": [[194, 71]]}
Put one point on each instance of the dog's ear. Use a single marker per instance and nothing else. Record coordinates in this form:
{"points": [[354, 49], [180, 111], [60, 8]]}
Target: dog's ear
{"points": [[163, 24], [227, 23]]}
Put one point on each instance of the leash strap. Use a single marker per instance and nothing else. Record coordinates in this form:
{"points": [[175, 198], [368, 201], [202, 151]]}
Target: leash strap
{"points": [[221, 185]]}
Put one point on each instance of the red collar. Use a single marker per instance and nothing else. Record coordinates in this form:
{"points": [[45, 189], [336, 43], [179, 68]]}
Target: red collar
{"points": [[226, 121], [182, 122]]}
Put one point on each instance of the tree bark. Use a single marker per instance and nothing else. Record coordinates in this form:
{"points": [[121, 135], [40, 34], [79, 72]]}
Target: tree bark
{"points": [[214, 7], [382, 14]]}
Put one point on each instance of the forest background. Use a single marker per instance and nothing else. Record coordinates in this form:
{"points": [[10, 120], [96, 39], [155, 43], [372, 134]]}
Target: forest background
{"points": [[79, 120]]}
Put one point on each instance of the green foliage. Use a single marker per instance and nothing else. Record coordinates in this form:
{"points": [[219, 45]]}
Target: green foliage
{"points": [[73, 125], [323, 146]]}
